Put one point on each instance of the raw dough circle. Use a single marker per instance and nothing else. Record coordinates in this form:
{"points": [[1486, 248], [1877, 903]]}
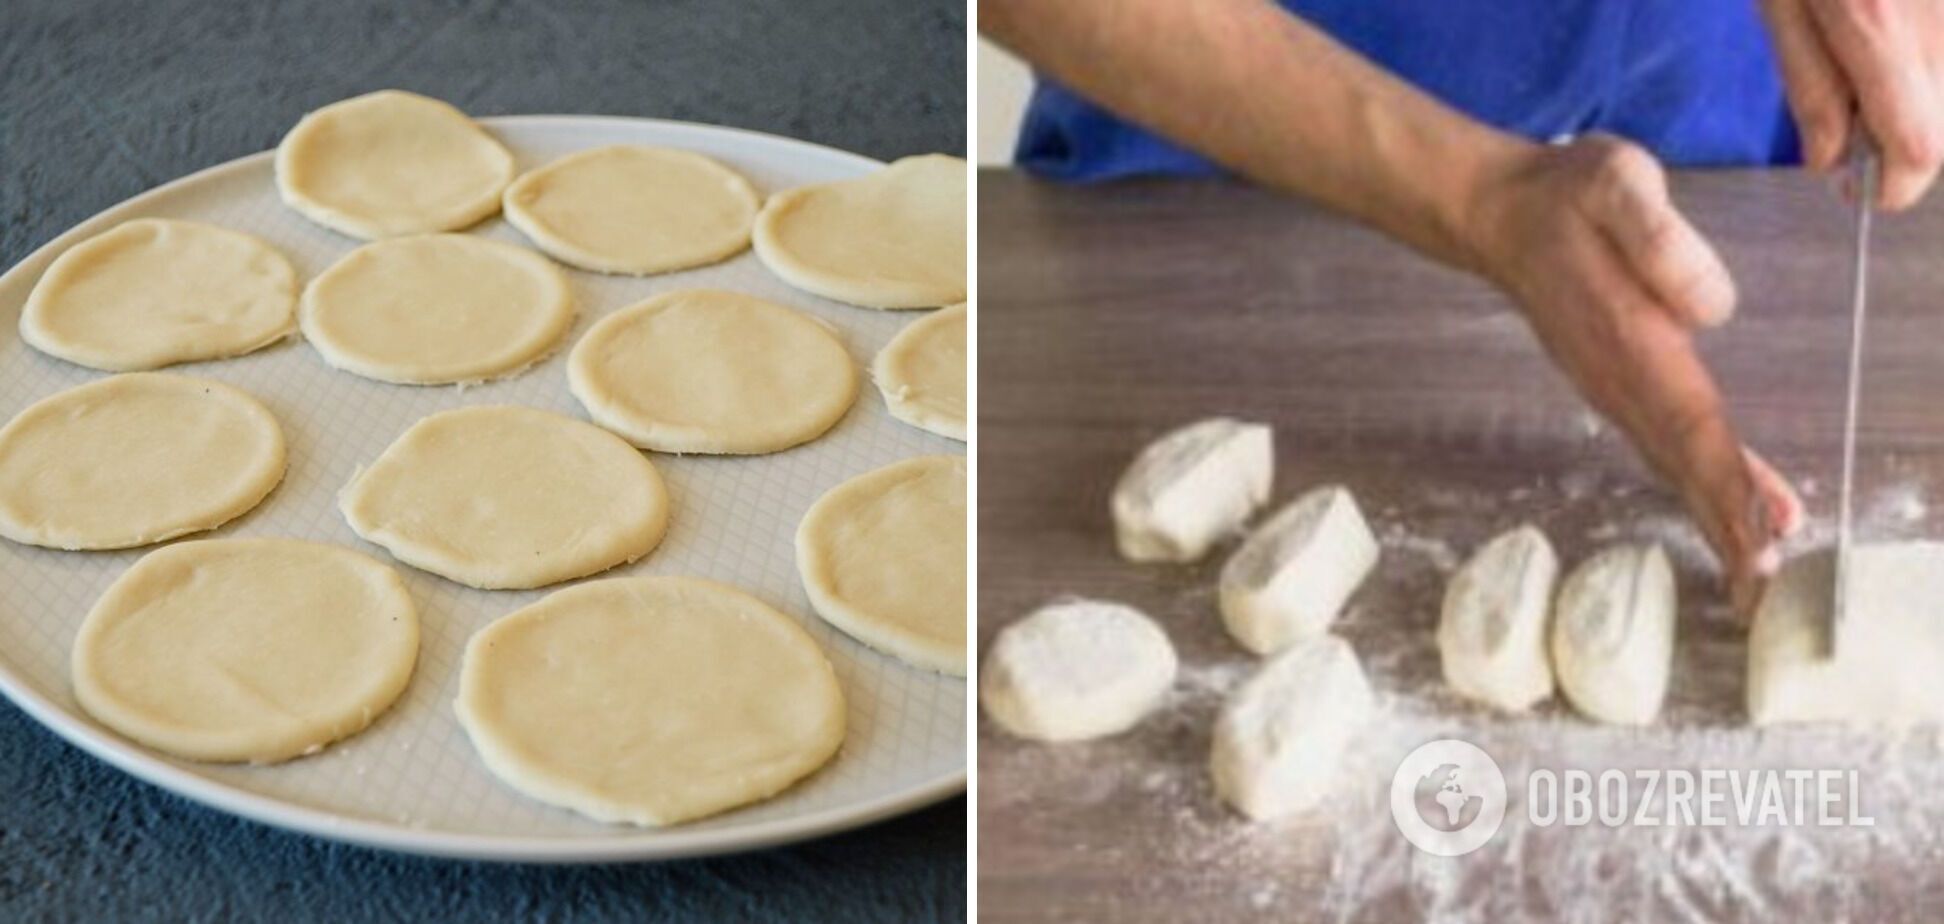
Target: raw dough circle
{"points": [[508, 497], [702, 370], [883, 558], [922, 373], [391, 163], [649, 700], [894, 239], [153, 292], [135, 459], [253, 650], [437, 309], [634, 209]]}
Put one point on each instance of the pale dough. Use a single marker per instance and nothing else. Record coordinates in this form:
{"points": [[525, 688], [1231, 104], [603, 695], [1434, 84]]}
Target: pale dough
{"points": [[883, 558], [922, 373], [1613, 634], [651, 701], [1076, 670], [135, 459], [1492, 629], [634, 209], [1293, 574], [1191, 488], [1885, 671], [254, 650], [1280, 736], [894, 239], [153, 292], [436, 309], [391, 163], [703, 370], [508, 497]]}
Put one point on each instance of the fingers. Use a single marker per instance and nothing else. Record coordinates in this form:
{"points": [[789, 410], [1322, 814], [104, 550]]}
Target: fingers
{"points": [[1891, 80], [1819, 96], [1629, 202]]}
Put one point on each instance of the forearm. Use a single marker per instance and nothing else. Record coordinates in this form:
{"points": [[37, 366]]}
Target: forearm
{"points": [[1271, 98]]}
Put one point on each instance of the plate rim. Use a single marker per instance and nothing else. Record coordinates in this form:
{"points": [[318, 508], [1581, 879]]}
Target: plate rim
{"points": [[642, 844]]}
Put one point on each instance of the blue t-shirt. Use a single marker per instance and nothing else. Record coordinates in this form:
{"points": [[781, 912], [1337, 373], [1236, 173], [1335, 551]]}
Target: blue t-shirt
{"points": [[1695, 81]]}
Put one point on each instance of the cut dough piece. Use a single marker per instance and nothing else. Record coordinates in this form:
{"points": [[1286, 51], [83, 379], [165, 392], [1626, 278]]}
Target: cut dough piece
{"points": [[1885, 671], [651, 701], [634, 209], [437, 309], [1290, 578], [135, 459], [894, 239], [391, 163], [1076, 670], [883, 558], [1191, 488], [922, 373], [1613, 634], [1492, 632], [508, 497], [151, 292], [702, 370], [254, 650], [1280, 737]]}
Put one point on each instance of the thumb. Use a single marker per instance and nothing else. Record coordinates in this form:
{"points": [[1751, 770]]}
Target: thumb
{"points": [[1669, 257]]}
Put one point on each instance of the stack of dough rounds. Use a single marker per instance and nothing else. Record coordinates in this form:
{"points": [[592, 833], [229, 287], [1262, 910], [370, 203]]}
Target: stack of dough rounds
{"points": [[634, 209], [437, 309], [152, 292], [894, 239], [253, 650], [509, 497], [649, 700], [135, 459], [882, 557], [391, 163], [922, 373], [708, 371]]}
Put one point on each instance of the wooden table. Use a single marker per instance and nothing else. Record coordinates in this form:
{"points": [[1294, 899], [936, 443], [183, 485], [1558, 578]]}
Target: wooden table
{"points": [[1110, 314]]}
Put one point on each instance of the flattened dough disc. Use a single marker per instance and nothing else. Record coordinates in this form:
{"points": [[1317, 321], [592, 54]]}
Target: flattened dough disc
{"points": [[634, 209], [437, 309], [922, 373], [153, 292], [894, 239], [509, 497], [135, 459], [253, 650], [649, 700], [883, 558], [391, 163], [703, 370]]}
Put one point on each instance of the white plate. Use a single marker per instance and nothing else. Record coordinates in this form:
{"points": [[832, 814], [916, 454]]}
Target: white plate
{"points": [[412, 781]]}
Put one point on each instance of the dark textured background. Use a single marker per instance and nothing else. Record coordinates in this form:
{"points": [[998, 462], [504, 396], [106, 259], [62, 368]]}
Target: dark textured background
{"points": [[102, 100]]}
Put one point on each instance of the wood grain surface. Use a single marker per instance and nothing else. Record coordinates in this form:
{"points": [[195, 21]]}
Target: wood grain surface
{"points": [[1109, 314]]}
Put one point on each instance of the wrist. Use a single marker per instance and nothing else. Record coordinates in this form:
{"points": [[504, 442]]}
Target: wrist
{"points": [[1472, 216]]}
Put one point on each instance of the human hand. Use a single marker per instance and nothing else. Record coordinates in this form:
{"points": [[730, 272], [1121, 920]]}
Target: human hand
{"points": [[1878, 60], [1614, 282]]}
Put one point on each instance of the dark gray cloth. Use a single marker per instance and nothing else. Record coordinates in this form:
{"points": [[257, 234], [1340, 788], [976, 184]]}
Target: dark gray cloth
{"points": [[102, 100]]}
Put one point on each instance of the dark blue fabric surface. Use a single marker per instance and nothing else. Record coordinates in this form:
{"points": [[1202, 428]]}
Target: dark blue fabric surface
{"points": [[102, 100], [1693, 80]]}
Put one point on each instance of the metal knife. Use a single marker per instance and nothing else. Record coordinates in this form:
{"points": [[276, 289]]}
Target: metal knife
{"points": [[1863, 170]]}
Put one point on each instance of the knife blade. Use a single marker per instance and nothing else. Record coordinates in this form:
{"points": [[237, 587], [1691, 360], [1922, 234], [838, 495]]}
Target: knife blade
{"points": [[1863, 171]]}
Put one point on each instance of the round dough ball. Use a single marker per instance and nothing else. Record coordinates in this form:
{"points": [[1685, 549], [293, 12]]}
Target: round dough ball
{"points": [[922, 373], [894, 239], [437, 309], [391, 163], [883, 558], [135, 459], [634, 209], [508, 497], [1077, 670], [153, 292], [702, 370], [652, 701], [253, 650]]}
